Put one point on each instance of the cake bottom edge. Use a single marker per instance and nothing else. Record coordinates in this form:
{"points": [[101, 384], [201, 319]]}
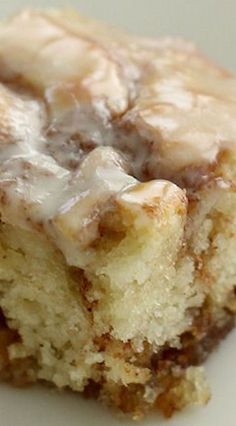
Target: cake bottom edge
{"points": [[176, 379]]}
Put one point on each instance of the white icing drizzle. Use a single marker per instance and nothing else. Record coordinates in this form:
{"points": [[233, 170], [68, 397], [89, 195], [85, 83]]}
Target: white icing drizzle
{"points": [[102, 109]]}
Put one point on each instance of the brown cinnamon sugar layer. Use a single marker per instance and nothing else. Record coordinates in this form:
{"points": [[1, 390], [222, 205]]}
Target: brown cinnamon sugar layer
{"points": [[18, 372], [168, 367], [168, 370]]}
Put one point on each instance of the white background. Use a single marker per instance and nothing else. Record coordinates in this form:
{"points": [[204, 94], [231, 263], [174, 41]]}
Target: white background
{"points": [[210, 23]]}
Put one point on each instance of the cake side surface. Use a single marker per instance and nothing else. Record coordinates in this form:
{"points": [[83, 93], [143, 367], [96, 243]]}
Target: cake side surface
{"points": [[117, 201]]}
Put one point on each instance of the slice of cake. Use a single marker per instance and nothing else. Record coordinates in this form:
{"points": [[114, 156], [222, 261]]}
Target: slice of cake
{"points": [[118, 211]]}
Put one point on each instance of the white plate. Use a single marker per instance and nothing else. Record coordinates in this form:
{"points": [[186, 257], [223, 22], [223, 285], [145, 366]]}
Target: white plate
{"points": [[211, 23]]}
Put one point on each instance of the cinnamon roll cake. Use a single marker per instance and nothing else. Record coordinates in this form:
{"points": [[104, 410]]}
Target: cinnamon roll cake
{"points": [[118, 211]]}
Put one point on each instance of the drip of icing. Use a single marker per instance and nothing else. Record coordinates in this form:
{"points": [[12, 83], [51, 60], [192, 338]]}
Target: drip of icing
{"points": [[102, 110]]}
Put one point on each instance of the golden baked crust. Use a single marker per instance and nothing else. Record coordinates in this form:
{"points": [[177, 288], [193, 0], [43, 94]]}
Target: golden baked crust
{"points": [[117, 202]]}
